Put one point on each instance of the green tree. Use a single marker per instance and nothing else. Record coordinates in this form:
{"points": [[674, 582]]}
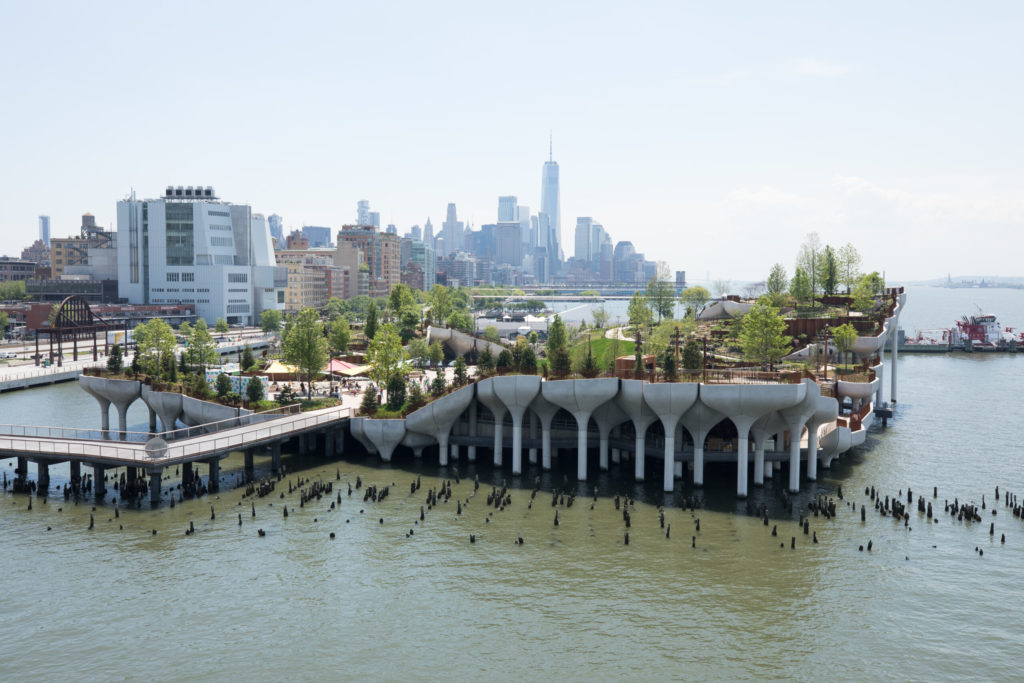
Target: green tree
{"points": [[589, 368], [221, 326], [370, 328], [504, 361], [638, 311], [485, 362], [339, 336], [558, 337], [829, 271], [808, 259], [305, 347], [222, 385], [335, 308], [419, 352], [848, 262], [560, 362], [800, 286], [202, 350], [440, 302], [248, 359], [863, 295], [368, 406], [185, 330], [155, 341], [270, 321], [600, 317], [491, 333], [384, 354], [439, 385], [460, 320], [845, 338], [401, 299], [115, 361], [661, 297], [396, 392], [528, 363], [254, 390], [461, 374], [692, 357], [436, 353], [693, 299], [668, 364], [777, 285], [416, 397], [763, 334]]}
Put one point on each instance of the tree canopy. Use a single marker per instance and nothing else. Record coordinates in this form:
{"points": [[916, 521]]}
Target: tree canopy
{"points": [[339, 336], [777, 285], [661, 297], [221, 326], [638, 311], [384, 354], [763, 334], [693, 299], [155, 343], [270, 320], [306, 346]]}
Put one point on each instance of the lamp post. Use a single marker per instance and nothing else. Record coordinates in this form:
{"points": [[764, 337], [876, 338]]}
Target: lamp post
{"points": [[705, 359], [826, 352]]}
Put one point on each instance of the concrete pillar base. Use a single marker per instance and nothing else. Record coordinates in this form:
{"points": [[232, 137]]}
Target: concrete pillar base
{"points": [[214, 484], [42, 477], [275, 458], [187, 475], [154, 485], [98, 472]]}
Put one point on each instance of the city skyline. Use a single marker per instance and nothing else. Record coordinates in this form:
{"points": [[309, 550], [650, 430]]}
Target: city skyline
{"points": [[695, 126]]}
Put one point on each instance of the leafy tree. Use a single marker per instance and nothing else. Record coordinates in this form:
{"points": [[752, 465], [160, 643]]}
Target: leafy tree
{"points": [[396, 392], [221, 326], [385, 355], [777, 285], [800, 286], [461, 374], [504, 360], [638, 311], [460, 320], [248, 360], [440, 302], [409, 322], [661, 297], [557, 334], [401, 299], [560, 362], [222, 385], [335, 308], [368, 406], [270, 320], [808, 259], [845, 338], [692, 357], [848, 262], [155, 341], [600, 317], [202, 350], [876, 282], [668, 364], [115, 361], [829, 271], [436, 353], [485, 362], [419, 353], [439, 386], [370, 328], [339, 336], [763, 334], [170, 368], [185, 329], [254, 390], [305, 347], [491, 333], [197, 386], [533, 337], [13, 290], [528, 363], [693, 299], [863, 295], [721, 287]]}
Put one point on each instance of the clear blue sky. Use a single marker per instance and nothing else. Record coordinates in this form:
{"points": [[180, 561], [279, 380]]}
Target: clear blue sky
{"points": [[712, 135]]}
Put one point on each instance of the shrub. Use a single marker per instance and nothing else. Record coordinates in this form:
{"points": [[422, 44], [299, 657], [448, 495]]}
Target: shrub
{"points": [[222, 385], [368, 406], [254, 390], [396, 392]]}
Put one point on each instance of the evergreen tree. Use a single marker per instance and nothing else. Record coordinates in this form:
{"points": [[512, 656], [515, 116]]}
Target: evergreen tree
{"points": [[416, 397], [368, 406], [668, 365], [461, 375], [115, 361], [222, 385], [528, 363], [485, 362], [589, 367], [504, 361], [560, 362], [829, 271], [692, 355], [396, 392], [254, 390], [370, 329], [800, 287], [439, 385], [248, 360]]}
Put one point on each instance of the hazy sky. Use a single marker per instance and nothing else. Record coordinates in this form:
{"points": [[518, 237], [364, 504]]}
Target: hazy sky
{"points": [[712, 135]]}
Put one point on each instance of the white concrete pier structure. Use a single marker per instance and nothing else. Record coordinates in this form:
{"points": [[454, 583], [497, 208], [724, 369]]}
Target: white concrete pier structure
{"points": [[580, 397], [631, 401], [437, 418], [670, 401], [485, 394], [517, 392]]}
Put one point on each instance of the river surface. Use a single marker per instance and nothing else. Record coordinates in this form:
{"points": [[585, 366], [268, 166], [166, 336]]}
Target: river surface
{"points": [[574, 602]]}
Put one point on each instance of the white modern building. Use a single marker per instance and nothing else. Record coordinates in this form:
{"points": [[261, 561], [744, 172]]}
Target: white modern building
{"points": [[190, 247]]}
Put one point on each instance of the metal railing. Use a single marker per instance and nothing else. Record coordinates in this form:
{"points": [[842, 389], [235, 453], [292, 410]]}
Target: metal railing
{"points": [[73, 433], [45, 372], [229, 423]]}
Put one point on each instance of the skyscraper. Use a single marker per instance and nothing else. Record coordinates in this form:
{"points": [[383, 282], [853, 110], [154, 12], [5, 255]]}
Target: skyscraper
{"points": [[507, 209], [551, 223], [44, 230], [451, 231], [276, 224], [363, 212]]}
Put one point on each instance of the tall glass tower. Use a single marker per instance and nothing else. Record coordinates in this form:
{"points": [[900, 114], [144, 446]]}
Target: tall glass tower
{"points": [[551, 222]]}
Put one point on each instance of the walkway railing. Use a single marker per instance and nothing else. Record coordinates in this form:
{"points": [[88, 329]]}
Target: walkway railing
{"points": [[73, 434]]}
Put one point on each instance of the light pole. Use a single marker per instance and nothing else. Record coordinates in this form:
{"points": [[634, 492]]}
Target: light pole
{"points": [[826, 352]]}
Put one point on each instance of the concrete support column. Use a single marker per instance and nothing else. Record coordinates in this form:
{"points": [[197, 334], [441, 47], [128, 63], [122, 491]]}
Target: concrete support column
{"points": [[154, 485], [758, 462], [76, 470], [545, 441], [152, 420], [669, 478], [894, 354], [499, 438], [21, 468], [603, 460], [104, 414], [742, 462], [769, 468], [248, 462], [581, 449], [812, 452], [214, 474], [640, 454], [186, 474], [794, 460], [698, 462], [880, 374], [455, 452], [517, 442], [616, 456], [98, 471], [442, 448], [471, 450], [122, 418], [533, 436], [42, 477], [275, 458]]}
